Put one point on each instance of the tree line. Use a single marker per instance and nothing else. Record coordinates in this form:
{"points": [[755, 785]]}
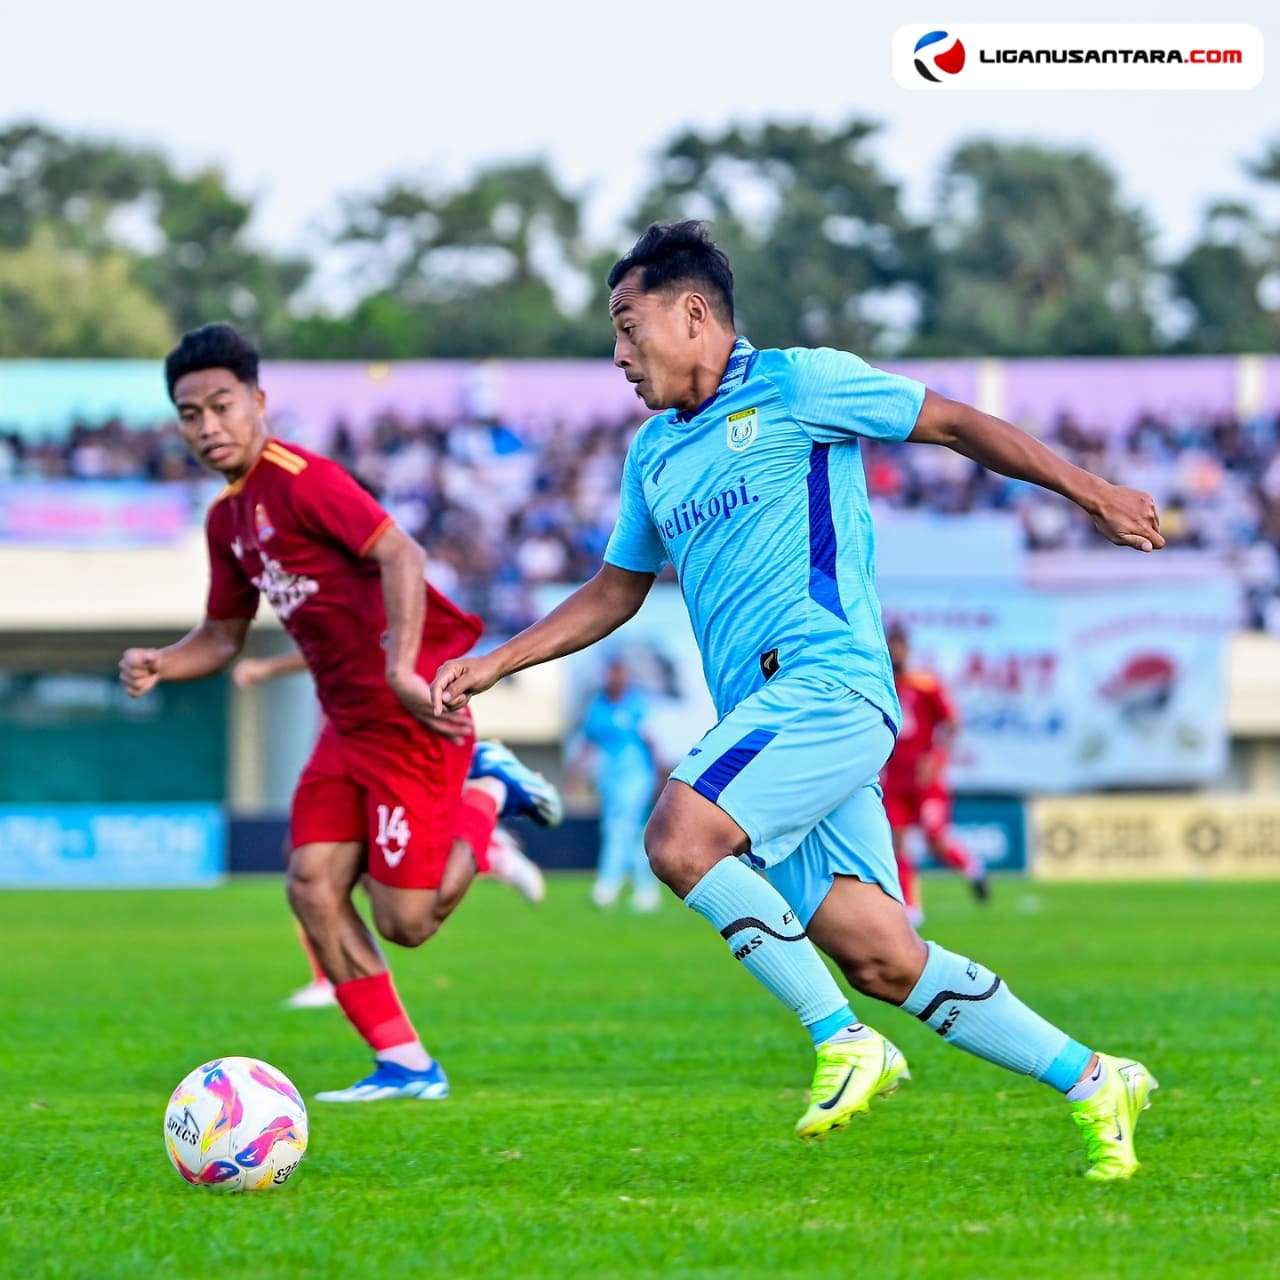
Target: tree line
{"points": [[108, 249]]}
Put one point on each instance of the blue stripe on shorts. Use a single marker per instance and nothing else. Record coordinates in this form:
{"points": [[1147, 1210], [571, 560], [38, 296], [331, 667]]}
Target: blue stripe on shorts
{"points": [[713, 780]]}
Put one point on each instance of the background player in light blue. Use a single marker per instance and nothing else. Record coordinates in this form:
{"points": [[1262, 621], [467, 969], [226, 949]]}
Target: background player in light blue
{"points": [[749, 481], [614, 743]]}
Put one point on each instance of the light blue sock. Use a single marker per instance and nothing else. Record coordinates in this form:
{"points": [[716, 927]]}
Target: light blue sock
{"points": [[972, 1008], [762, 932]]}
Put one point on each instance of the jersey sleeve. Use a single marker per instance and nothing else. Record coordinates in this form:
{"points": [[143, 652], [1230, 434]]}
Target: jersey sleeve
{"points": [[331, 505], [836, 396], [231, 593], [634, 543]]}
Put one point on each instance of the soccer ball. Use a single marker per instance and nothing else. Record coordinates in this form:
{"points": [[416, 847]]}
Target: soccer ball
{"points": [[236, 1124]]}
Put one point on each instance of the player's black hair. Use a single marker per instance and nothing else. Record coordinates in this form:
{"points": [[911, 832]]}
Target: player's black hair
{"points": [[212, 346], [680, 253]]}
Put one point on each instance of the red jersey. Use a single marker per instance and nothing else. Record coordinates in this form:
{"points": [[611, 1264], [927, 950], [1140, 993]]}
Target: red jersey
{"points": [[298, 528], [925, 707]]}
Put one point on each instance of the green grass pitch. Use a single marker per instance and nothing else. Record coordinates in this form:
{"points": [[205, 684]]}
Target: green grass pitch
{"points": [[624, 1097]]}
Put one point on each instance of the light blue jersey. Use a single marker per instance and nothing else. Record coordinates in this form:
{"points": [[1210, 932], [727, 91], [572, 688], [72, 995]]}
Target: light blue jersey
{"points": [[626, 777], [616, 730], [760, 502]]}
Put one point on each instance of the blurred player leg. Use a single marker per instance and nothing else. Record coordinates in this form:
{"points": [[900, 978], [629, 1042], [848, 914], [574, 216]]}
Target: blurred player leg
{"points": [[646, 891], [476, 819], [502, 857], [318, 993], [616, 835], [646, 888], [903, 811], [908, 878], [509, 863], [935, 821]]}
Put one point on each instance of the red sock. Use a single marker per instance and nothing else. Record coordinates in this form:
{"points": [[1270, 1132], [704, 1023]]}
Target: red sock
{"points": [[957, 857], [374, 1009], [307, 950], [477, 816], [908, 879]]}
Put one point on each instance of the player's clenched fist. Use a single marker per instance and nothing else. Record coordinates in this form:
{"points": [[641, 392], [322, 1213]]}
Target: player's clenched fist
{"points": [[251, 671], [1128, 517], [460, 678], [139, 671]]}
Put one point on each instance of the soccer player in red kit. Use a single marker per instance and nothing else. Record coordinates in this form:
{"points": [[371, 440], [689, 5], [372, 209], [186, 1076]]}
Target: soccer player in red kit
{"points": [[383, 791], [508, 862], [914, 779]]}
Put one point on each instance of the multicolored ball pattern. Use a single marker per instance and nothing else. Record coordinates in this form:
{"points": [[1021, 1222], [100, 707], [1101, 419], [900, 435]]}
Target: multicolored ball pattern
{"points": [[236, 1124]]}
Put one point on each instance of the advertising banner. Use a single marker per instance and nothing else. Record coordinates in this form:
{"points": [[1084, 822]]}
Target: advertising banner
{"points": [[87, 513], [1156, 837], [111, 846], [1060, 691]]}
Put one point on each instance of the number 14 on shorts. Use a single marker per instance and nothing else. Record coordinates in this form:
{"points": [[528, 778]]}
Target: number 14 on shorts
{"points": [[393, 833]]}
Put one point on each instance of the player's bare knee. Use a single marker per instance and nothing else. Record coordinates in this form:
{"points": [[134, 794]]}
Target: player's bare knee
{"points": [[311, 894], [679, 857], [885, 972], [444, 905], [675, 862], [405, 930]]}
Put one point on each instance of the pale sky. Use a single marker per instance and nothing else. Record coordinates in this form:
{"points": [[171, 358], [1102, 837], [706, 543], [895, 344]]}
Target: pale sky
{"points": [[298, 102]]}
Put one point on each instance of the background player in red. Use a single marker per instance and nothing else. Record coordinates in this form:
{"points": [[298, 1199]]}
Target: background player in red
{"points": [[383, 790], [915, 778], [508, 862]]}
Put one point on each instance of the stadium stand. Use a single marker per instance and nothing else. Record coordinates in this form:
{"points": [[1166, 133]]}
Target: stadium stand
{"points": [[500, 516]]}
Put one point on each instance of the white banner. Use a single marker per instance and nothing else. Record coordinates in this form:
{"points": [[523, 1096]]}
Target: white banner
{"points": [[937, 57], [1060, 691]]}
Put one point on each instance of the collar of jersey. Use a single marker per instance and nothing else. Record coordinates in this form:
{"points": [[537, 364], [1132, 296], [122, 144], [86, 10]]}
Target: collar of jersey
{"points": [[236, 485], [734, 374]]}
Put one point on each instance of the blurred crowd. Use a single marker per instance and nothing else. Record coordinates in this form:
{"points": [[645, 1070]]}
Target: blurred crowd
{"points": [[500, 517]]}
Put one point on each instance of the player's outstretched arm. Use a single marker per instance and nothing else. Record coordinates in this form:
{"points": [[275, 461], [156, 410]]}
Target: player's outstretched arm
{"points": [[1128, 517], [252, 671], [593, 611], [201, 652]]}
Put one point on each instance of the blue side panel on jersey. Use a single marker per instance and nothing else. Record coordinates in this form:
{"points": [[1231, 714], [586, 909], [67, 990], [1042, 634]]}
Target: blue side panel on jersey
{"points": [[822, 536], [713, 780]]}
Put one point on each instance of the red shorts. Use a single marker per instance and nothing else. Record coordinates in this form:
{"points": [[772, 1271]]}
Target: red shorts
{"points": [[928, 808], [396, 789]]}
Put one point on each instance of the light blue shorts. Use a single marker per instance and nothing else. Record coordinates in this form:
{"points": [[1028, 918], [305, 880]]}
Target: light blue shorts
{"points": [[796, 765]]}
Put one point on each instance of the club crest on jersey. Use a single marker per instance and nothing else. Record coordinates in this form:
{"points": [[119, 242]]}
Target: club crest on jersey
{"points": [[286, 591], [741, 429], [262, 521]]}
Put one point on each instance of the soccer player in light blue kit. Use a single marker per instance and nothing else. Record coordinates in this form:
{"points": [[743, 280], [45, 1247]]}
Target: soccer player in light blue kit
{"points": [[625, 773], [749, 481]]}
